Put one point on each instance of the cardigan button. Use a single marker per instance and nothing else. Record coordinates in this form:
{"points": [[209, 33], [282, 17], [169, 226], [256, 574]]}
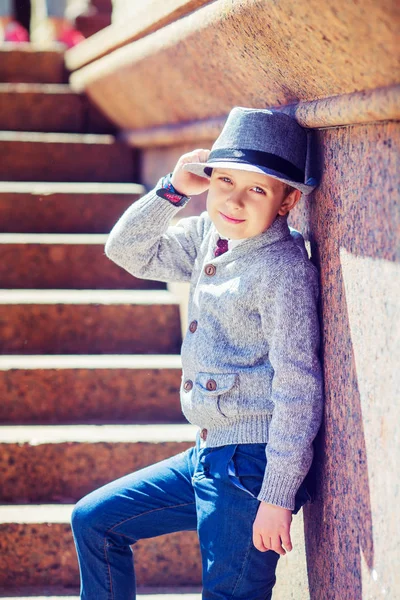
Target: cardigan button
{"points": [[210, 270], [193, 326], [187, 386], [211, 385], [203, 434]]}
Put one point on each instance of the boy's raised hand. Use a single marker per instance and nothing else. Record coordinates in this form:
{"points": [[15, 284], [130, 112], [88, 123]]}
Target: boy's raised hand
{"points": [[187, 183]]}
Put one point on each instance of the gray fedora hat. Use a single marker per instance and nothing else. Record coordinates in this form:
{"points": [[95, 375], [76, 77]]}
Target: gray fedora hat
{"points": [[262, 141]]}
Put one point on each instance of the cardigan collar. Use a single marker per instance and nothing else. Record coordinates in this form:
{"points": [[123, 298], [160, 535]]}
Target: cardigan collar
{"points": [[278, 230]]}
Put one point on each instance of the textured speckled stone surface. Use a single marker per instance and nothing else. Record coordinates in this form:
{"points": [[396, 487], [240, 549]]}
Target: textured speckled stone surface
{"points": [[353, 225], [48, 107], [26, 108], [34, 554], [130, 21], [64, 157], [174, 135], [68, 395], [66, 471], [381, 104], [291, 571], [64, 266], [90, 328], [23, 62], [64, 207], [248, 53]]}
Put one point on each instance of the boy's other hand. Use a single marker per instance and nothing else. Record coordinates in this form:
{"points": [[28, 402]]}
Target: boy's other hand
{"points": [[187, 183], [271, 528]]}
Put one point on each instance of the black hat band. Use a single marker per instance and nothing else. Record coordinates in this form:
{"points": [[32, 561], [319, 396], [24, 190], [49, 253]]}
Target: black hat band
{"points": [[257, 157]]}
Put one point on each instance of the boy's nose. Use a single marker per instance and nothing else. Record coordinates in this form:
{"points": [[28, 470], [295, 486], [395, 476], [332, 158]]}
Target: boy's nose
{"points": [[235, 200]]}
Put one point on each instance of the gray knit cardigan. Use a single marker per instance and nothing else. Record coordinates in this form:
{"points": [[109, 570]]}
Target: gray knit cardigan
{"points": [[251, 371]]}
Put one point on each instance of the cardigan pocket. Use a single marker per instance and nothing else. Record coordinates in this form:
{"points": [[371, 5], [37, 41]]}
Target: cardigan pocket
{"points": [[218, 393]]}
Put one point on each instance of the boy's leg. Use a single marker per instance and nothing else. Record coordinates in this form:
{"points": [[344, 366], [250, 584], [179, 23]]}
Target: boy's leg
{"points": [[155, 500], [233, 568]]}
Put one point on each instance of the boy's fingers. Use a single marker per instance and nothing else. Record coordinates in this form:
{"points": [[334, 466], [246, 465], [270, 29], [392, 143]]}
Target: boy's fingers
{"points": [[204, 155], [258, 542], [286, 542], [276, 545], [199, 155]]}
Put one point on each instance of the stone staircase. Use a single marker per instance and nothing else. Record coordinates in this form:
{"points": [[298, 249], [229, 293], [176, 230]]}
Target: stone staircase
{"points": [[95, 18], [89, 368]]}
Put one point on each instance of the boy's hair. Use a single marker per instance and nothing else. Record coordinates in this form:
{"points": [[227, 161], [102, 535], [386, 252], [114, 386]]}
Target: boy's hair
{"points": [[287, 189]]}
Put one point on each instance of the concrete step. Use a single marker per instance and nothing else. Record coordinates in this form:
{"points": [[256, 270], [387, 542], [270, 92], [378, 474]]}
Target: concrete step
{"points": [[50, 107], [64, 157], [89, 322], [76, 261], [37, 549], [62, 463], [48, 207], [143, 593], [90, 389], [29, 63]]}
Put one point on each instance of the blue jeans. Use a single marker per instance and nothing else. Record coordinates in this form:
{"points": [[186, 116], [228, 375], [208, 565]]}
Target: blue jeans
{"points": [[211, 490]]}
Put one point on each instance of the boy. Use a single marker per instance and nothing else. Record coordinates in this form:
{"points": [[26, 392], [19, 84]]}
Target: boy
{"points": [[252, 379]]}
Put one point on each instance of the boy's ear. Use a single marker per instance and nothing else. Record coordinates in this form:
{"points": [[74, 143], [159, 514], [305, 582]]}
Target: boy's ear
{"points": [[289, 202]]}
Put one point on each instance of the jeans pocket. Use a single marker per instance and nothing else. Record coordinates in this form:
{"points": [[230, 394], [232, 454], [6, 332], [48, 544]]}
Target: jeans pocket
{"points": [[247, 467]]}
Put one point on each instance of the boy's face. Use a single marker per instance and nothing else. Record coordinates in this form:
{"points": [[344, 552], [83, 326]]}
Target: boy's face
{"points": [[253, 199]]}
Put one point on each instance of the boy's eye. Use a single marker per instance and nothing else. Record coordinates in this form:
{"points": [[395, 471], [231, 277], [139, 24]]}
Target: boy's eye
{"points": [[228, 180]]}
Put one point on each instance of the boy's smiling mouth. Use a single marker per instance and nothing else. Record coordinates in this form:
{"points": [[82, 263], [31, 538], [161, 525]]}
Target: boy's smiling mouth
{"points": [[230, 219]]}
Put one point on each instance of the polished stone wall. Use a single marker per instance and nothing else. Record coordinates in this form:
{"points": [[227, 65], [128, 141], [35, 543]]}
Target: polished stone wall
{"points": [[353, 224]]}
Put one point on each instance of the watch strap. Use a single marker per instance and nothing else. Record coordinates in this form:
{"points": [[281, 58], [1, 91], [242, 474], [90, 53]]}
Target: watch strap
{"points": [[166, 190]]}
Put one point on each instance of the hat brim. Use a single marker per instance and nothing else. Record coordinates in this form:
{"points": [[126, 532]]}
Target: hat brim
{"points": [[198, 169]]}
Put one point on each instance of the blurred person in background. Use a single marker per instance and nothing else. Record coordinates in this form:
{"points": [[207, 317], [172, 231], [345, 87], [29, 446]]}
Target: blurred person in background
{"points": [[51, 22]]}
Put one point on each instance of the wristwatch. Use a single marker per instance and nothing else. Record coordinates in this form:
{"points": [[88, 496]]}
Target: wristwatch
{"points": [[166, 190]]}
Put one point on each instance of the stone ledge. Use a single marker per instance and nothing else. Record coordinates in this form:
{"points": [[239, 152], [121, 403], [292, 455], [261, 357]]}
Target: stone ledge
{"points": [[141, 21], [267, 57], [381, 104]]}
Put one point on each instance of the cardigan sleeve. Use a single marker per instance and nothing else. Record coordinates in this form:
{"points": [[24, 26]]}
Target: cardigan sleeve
{"points": [[145, 244], [297, 384]]}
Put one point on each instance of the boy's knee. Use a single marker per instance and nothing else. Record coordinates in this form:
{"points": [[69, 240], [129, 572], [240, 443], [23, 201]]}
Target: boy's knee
{"points": [[84, 516]]}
